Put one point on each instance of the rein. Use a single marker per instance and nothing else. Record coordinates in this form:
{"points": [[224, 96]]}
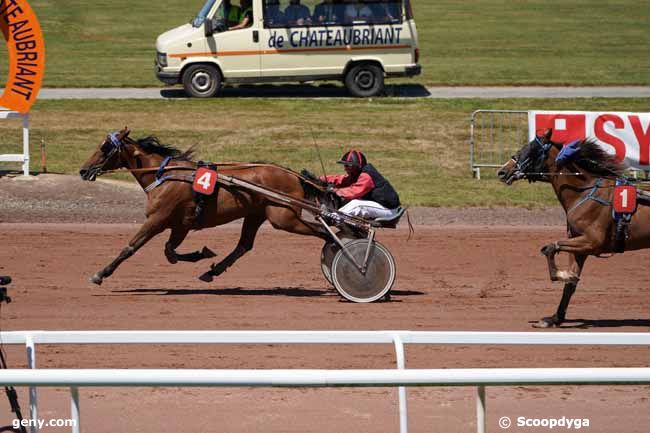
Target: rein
{"points": [[232, 165]]}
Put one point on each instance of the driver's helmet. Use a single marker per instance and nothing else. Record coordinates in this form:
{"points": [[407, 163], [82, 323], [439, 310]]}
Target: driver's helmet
{"points": [[353, 158]]}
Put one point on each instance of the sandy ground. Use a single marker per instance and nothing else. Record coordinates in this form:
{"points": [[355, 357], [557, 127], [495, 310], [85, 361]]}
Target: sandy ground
{"points": [[474, 270]]}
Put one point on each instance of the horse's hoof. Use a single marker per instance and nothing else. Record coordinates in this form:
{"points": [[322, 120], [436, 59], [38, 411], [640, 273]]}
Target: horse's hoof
{"points": [[171, 257], [96, 279], [546, 322], [218, 269], [208, 253], [207, 277]]}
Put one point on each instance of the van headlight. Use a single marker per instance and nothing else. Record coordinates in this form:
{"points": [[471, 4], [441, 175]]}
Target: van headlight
{"points": [[161, 58]]}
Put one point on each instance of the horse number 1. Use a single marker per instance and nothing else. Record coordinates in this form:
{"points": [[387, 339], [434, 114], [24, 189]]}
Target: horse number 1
{"points": [[624, 199]]}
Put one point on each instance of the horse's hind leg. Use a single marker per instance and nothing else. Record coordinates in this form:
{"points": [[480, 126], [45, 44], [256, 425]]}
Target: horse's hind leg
{"points": [[149, 229], [176, 237], [248, 232], [576, 264]]}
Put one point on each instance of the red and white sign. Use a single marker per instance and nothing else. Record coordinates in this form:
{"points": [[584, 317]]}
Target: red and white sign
{"points": [[624, 199], [204, 181], [626, 135]]}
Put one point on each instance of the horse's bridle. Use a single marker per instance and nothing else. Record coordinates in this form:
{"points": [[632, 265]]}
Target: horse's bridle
{"points": [[524, 165], [112, 145]]}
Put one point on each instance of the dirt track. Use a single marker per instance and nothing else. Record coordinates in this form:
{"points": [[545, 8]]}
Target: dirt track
{"points": [[454, 277]]}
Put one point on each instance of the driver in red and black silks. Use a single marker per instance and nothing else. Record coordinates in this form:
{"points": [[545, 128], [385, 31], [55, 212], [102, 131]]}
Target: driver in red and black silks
{"points": [[365, 192]]}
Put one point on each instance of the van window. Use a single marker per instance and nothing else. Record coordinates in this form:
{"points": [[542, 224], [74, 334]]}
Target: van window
{"points": [[273, 14], [203, 13], [301, 13]]}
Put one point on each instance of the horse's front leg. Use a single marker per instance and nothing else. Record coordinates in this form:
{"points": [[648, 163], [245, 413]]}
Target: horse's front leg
{"points": [[576, 265], [176, 237], [582, 245], [149, 229], [550, 251]]}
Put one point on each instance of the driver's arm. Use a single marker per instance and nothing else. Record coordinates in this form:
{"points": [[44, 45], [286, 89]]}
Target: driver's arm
{"points": [[358, 189]]}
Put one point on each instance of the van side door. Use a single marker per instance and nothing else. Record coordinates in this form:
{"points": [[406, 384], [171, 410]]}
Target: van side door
{"points": [[237, 50]]}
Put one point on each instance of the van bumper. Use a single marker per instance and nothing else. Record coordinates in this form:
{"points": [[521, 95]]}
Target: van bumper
{"points": [[409, 71], [167, 77]]}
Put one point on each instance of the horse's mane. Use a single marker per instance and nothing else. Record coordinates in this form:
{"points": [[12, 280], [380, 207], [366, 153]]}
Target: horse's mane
{"points": [[151, 144], [596, 160]]}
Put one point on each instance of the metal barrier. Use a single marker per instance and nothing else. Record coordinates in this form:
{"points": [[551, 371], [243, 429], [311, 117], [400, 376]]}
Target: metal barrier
{"points": [[300, 377], [495, 135], [18, 157]]}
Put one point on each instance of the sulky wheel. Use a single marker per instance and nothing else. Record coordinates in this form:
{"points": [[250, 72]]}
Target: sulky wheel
{"points": [[327, 255], [378, 278]]}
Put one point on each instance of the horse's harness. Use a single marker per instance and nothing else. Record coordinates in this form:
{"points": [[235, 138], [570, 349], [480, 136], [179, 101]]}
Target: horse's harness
{"points": [[522, 166], [113, 145], [622, 219]]}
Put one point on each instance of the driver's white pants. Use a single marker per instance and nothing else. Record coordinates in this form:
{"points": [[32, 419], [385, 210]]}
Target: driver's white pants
{"points": [[366, 209]]}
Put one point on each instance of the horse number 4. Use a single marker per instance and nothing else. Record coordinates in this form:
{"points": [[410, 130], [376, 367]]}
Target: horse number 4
{"points": [[625, 199], [205, 181]]}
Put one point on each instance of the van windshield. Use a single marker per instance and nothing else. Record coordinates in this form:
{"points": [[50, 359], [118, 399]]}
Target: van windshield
{"points": [[203, 13]]}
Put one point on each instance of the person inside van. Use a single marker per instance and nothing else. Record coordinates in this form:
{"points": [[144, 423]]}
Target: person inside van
{"points": [[380, 11], [246, 19], [296, 14], [394, 8], [273, 16], [366, 192], [328, 12], [231, 13], [356, 11]]}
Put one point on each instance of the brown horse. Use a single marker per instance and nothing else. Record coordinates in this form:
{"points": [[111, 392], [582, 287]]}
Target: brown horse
{"points": [[585, 187], [172, 204]]}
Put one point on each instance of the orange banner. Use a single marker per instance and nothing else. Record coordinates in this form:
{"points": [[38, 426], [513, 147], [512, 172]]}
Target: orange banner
{"points": [[26, 48]]}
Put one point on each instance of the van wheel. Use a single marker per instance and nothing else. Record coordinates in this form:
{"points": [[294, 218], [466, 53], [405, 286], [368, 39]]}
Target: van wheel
{"points": [[201, 81], [365, 80]]}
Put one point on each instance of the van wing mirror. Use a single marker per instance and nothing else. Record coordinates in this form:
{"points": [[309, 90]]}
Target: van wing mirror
{"points": [[209, 27]]}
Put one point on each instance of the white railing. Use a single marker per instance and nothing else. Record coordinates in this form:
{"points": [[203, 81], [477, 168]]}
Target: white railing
{"points": [[18, 157], [300, 377]]}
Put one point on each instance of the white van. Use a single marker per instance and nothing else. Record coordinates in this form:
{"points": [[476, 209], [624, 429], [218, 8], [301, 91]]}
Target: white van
{"points": [[356, 41]]}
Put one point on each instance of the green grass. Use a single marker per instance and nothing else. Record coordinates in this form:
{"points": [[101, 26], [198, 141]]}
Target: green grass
{"points": [[420, 145], [481, 42]]}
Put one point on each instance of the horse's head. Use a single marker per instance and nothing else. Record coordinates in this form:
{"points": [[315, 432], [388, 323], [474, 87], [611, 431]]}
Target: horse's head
{"points": [[532, 161], [107, 156]]}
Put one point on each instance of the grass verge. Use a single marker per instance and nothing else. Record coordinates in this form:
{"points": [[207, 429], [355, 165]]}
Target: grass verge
{"points": [[420, 145]]}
